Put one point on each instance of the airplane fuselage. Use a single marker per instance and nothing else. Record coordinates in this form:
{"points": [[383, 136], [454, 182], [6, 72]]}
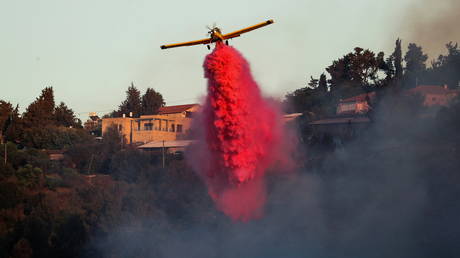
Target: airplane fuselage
{"points": [[216, 35]]}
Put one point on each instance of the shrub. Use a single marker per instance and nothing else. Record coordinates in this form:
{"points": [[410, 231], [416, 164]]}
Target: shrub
{"points": [[52, 182], [29, 176]]}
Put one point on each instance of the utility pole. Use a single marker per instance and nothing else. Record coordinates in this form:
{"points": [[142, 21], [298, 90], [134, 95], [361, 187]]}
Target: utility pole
{"points": [[130, 127], [6, 153], [163, 152], [4, 144], [90, 163], [5, 129]]}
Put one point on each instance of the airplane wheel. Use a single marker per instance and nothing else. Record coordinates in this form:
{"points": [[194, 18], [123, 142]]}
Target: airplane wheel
{"points": [[226, 42], [209, 48]]}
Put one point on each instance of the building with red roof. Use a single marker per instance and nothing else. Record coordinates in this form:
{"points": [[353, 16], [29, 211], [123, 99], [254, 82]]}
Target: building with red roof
{"points": [[179, 109], [434, 95], [356, 105]]}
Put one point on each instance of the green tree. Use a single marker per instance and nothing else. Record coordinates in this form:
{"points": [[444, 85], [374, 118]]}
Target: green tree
{"points": [[52, 137], [6, 109], [445, 69], [393, 69], [317, 101], [415, 65], [355, 73], [112, 143], [322, 84], [40, 112], [29, 176], [132, 103], [397, 56], [130, 165], [65, 116], [10, 122], [453, 65], [151, 102]]}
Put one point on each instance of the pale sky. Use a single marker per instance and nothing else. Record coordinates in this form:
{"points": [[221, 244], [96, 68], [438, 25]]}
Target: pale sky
{"points": [[91, 50]]}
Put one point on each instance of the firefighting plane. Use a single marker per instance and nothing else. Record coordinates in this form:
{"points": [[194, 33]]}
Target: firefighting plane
{"points": [[215, 35]]}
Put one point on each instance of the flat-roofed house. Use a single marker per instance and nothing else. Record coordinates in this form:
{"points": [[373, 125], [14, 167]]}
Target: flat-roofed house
{"points": [[170, 124]]}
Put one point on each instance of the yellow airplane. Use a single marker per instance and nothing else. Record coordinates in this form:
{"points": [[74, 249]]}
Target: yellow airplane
{"points": [[215, 35]]}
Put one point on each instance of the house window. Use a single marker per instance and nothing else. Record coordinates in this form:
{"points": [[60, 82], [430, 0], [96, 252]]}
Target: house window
{"points": [[172, 128], [148, 126], [345, 107], [120, 128], [179, 128]]}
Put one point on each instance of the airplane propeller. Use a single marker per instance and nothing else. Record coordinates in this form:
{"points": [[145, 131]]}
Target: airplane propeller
{"points": [[211, 29]]}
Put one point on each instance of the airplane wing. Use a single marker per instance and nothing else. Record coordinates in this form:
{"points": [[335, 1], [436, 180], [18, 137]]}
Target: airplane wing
{"points": [[190, 43], [239, 32]]}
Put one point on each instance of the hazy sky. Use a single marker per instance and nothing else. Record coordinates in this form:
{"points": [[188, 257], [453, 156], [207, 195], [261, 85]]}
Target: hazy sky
{"points": [[90, 51]]}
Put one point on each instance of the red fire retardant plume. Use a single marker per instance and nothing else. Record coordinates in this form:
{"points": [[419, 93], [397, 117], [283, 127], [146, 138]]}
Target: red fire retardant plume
{"points": [[241, 134]]}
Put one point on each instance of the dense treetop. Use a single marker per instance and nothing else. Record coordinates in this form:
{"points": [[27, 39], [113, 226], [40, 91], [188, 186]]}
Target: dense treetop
{"points": [[148, 104]]}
